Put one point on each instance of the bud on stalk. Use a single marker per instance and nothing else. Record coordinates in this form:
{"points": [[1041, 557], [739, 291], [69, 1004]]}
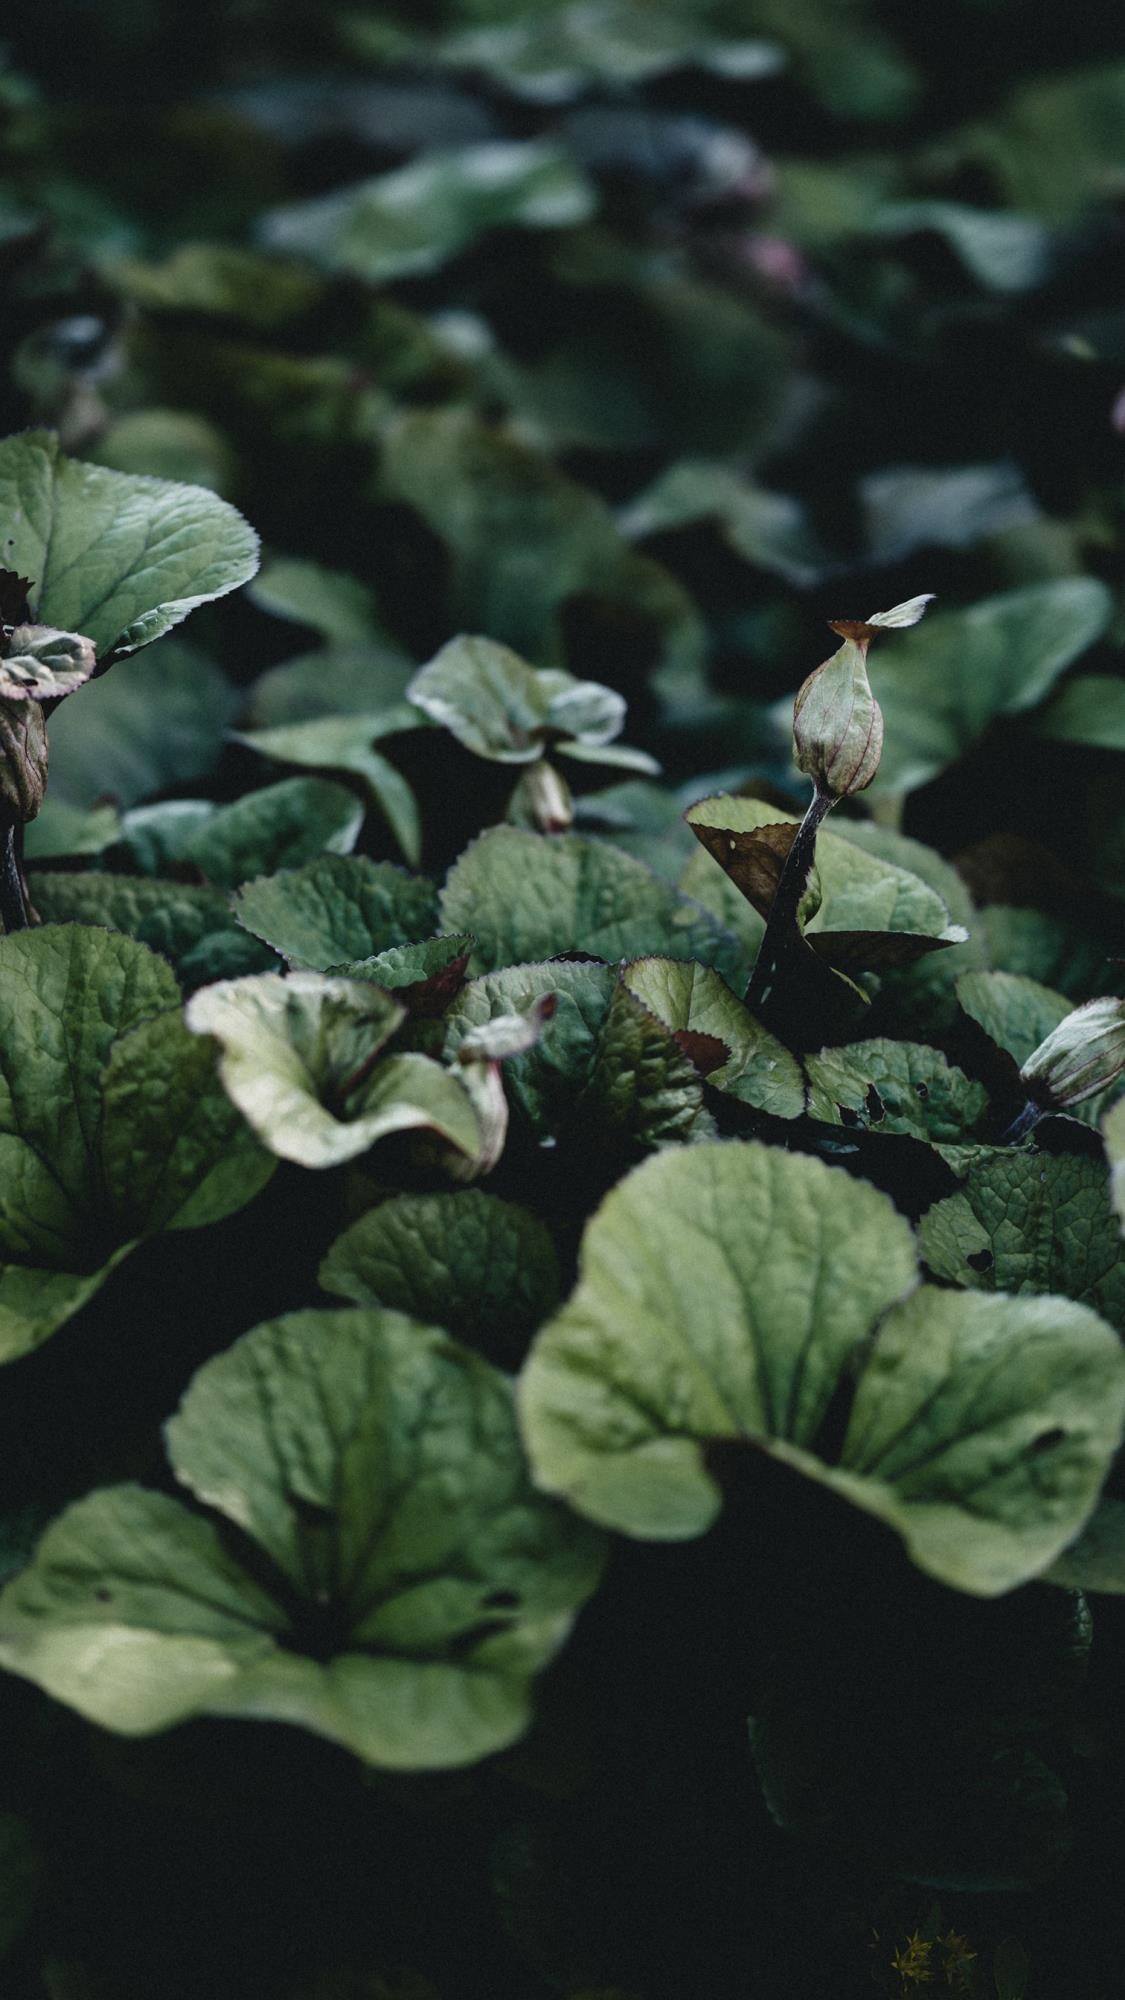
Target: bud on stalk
{"points": [[837, 722]]}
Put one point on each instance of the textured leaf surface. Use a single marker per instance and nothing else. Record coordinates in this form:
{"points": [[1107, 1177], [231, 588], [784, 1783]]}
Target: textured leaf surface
{"points": [[117, 557], [527, 896], [895, 1087], [1027, 1221], [691, 1001], [280, 826], [190, 925], [336, 910], [482, 1267], [546, 1083], [414, 1583], [724, 1292]]}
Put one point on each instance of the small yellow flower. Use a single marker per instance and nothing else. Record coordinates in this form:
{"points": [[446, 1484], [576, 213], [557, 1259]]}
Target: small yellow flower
{"points": [[912, 1963]]}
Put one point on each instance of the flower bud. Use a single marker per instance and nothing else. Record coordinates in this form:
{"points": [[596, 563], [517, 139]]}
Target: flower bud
{"points": [[837, 722], [1082, 1056]]}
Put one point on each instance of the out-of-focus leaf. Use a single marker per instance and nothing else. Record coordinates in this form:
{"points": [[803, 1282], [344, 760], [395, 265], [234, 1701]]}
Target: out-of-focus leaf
{"points": [[413, 220], [152, 722]]}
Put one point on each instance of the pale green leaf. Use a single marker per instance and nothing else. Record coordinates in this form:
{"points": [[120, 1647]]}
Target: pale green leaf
{"points": [[118, 557], [503, 709], [726, 1292], [300, 1057]]}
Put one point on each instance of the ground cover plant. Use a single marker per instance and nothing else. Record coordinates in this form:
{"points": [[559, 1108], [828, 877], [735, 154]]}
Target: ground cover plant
{"points": [[562, 1078]]}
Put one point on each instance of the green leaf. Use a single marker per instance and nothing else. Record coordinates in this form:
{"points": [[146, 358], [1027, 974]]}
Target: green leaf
{"points": [[1096, 1561], [300, 1058], [502, 709], [340, 608], [337, 910], [117, 557], [484, 1268], [413, 1582], [35, 1302], [897, 1087], [769, 530], [220, 279], [697, 1005], [367, 679], [409, 222], [280, 826], [479, 490], [980, 1429], [150, 723], [345, 743], [910, 507], [1003, 251], [426, 976], [1027, 1221], [1055, 146], [1016, 1013], [1049, 949], [951, 676], [169, 444], [643, 1090], [562, 52], [1089, 709], [192, 926], [60, 831], [853, 898], [174, 1152], [528, 896], [112, 1127], [545, 1085]]}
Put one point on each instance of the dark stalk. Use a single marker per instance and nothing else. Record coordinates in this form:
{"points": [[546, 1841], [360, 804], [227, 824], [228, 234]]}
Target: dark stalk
{"points": [[14, 912], [783, 933]]}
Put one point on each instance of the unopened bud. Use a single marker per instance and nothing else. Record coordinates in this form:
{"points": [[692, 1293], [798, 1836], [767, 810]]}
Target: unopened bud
{"points": [[1082, 1056], [542, 800], [837, 722]]}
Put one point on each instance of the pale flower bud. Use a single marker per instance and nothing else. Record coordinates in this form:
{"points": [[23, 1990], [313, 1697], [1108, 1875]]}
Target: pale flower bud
{"points": [[1082, 1056], [837, 722]]}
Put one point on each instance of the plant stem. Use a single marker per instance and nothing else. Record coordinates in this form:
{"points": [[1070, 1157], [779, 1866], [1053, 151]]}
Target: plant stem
{"points": [[782, 932], [13, 896], [1026, 1121]]}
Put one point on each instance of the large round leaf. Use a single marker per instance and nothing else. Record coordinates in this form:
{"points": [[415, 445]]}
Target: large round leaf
{"points": [[407, 1582], [736, 1292]]}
